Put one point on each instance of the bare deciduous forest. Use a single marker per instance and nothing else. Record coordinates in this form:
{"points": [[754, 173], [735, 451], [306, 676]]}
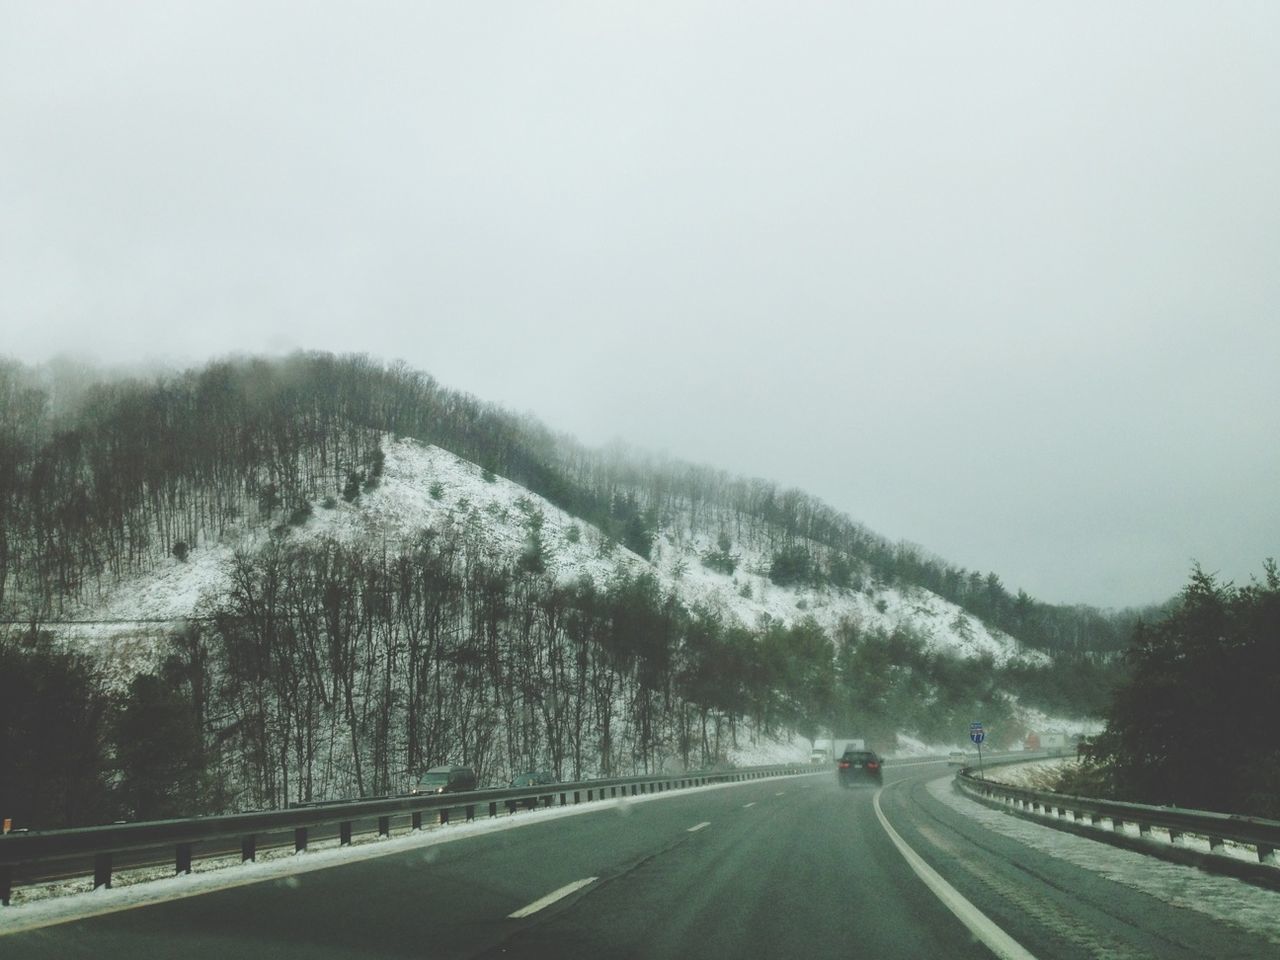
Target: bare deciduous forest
{"points": [[329, 671]]}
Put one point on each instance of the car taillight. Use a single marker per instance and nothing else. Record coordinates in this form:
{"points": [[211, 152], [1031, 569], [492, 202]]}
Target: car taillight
{"points": [[872, 765], [844, 764]]}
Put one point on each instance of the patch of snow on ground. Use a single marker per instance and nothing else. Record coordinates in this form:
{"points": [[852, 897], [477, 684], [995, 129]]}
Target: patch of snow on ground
{"points": [[1034, 774], [1040, 721], [748, 595], [767, 750], [1224, 898]]}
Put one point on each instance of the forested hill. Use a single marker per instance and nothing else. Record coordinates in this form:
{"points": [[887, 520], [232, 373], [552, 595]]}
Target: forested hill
{"points": [[96, 487], [357, 574]]}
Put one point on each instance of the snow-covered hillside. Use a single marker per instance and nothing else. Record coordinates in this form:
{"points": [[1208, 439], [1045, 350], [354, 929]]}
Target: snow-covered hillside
{"points": [[425, 487]]}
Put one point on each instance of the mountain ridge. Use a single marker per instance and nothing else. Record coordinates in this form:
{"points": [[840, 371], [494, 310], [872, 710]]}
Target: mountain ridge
{"points": [[499, 513]]}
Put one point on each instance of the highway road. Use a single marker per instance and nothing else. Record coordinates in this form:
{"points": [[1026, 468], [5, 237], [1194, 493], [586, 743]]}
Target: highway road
{"points": [[789, 867]]}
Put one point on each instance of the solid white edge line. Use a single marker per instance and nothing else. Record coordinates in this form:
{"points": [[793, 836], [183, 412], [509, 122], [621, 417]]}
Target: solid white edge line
{"points": [[698, 826], [751, 804], [979, 924], [543, 902]]}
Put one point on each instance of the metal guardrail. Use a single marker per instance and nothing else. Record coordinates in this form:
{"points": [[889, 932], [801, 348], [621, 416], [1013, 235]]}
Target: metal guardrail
{"points": [[46, 855], [1218, 828]]}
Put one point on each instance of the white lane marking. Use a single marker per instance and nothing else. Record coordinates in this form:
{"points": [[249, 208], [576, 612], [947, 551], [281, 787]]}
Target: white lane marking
{"points": [[751, 804], [71, 907], [698, 826], [780, 793], [544, 902], [979, 924]]}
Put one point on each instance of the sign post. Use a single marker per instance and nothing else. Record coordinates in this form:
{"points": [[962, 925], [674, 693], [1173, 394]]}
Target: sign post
{"points": [[977, 735]]}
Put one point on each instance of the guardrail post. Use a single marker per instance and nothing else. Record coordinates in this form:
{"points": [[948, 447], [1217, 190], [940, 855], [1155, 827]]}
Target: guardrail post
{"points": [[1144, 829], [299, 839], [1215, 844], [416, 821], [493, 808], [577, 796], [1175, 837], [471, 811], [384, 826], [1266, 854], [182, 862], [344, 833], [102, 870], [563, 801], [444, 815], [248, 848], [1117, 825], [6, 884]]}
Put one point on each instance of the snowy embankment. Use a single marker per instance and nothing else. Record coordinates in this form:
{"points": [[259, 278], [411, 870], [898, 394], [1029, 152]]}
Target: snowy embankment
{"points": [[424, 487], [1224, 899], [1044, 775], [1034, 774]]}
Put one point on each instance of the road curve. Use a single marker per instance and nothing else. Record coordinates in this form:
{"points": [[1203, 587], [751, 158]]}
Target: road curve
{"points": [[790, 867]]}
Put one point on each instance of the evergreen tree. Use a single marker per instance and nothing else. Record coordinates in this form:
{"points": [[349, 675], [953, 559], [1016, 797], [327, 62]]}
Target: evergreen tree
{"points": [[53, 712], [159, 751], [1195, 723]]}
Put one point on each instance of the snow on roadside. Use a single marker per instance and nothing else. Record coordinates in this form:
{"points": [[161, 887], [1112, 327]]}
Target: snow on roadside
{"points": [[1033, 774], [35, 907], [1223, 898], [1043, 775]]}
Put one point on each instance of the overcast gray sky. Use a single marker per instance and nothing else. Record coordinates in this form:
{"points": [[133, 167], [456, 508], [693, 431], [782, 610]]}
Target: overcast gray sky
{"points": [[1001, 279]]}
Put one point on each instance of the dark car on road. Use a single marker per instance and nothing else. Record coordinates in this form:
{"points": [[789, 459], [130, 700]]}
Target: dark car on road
{"points": [[533, 778], [860, 766], [446, 779]]}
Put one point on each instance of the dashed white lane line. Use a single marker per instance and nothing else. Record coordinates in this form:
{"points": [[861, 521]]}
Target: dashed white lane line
{"points": [[698, 826], [543, 902], [103, 901], [751, 804], [781, 793], [979, 924]]}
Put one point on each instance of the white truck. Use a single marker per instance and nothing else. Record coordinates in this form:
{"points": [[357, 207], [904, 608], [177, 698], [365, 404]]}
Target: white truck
{"points": [[1054, 742]]}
